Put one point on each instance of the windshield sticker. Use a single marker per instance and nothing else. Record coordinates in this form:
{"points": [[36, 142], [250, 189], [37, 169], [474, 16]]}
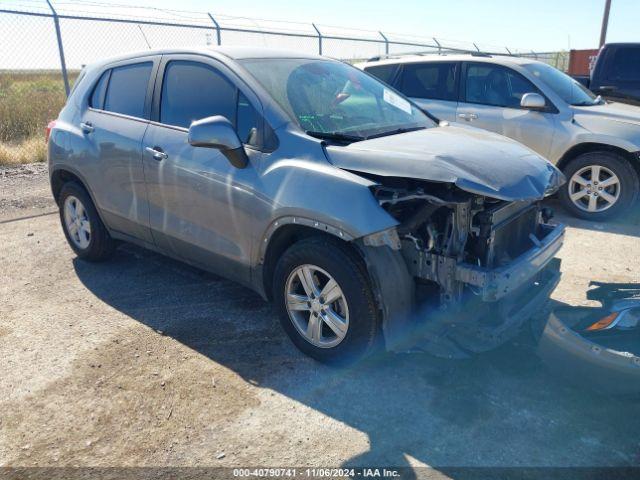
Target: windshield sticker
{"points": [[396, 100]]}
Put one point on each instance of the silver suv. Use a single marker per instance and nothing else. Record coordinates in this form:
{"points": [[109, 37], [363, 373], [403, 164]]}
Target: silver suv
{"points": [[315, 185], [595, 143]]}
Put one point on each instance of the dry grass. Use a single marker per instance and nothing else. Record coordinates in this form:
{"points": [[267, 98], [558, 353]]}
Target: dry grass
{"points": [[33, 149], [28, 101]]}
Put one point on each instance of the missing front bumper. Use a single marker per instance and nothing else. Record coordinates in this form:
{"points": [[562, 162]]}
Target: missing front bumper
{"points": [[490, 284]]}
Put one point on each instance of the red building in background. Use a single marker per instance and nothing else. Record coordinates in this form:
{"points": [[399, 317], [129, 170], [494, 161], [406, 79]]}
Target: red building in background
{"points": [[582, 61]]}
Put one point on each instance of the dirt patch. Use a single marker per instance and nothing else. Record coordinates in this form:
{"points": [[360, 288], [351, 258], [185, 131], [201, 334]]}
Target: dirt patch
{"points": [[129, 393], [25, 189], [83, 365]]}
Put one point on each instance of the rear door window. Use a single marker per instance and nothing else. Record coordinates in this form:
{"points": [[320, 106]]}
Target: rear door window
{"points": [[127, 89], [192, 91], [436, 80]]}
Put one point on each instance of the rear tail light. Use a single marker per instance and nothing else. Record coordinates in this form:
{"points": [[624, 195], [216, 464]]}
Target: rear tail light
{"points": [[50, 126]]}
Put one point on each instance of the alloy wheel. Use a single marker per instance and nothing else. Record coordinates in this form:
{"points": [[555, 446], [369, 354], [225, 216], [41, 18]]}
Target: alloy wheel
{"points": [[594, 188], [77, 222], [317, 306]]}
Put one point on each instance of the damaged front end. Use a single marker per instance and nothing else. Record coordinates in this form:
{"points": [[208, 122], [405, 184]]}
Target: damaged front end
{"points": [[480, 266]]}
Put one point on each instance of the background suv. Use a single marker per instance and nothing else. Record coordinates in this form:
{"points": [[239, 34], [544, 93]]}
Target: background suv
{"points": [[317, 186], [595, 143]]}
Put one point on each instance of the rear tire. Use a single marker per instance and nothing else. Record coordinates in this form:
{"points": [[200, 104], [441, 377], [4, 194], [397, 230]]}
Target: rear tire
{"points": [[583, 194], [85, 232], [321, 260]]}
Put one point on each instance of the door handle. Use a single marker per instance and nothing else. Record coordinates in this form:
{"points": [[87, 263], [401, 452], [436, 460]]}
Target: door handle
{"points": [[610, 88], [467, 116], [87, 127], [157, 153]]}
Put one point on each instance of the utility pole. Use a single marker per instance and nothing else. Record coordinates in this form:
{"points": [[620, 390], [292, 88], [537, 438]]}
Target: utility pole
{"points": [[605, 22]]}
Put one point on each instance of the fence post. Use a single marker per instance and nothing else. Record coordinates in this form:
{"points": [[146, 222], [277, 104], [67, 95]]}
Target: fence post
{"points": [[386, 43], [63, 63], [218, 37], [439, 46], [319, 39]]}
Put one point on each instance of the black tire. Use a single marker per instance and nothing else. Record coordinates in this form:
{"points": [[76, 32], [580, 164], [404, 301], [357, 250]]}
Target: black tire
{"points": [[344, 265], [101, 246], [619, 165]]}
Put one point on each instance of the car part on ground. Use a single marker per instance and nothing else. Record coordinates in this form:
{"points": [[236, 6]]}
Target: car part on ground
{"points": [[597, 347]]}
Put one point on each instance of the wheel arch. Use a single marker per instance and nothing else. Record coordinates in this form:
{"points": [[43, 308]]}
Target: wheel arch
{"points": [[61, 175], [392, 285], [282, 234], [575, 151]]}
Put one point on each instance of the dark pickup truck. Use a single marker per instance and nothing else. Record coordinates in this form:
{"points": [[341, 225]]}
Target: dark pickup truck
{"points": [[616, 74]]}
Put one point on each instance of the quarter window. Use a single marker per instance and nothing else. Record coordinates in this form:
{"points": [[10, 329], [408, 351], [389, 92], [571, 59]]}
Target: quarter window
{"points": [[383, 72], [97, 97], [191, 91], [127, 89], [429, 80], [495, 85]]}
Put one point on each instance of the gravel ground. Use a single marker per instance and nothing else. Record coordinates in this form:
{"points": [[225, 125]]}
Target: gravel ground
{"points": [[143, 361]]}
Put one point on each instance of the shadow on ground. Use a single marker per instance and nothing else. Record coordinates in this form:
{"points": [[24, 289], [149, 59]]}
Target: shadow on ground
{"points": [[500, 409], [628, 223]]}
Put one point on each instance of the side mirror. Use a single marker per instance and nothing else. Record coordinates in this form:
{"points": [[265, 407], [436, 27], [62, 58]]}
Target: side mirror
{"points": [[533, 101], [218, 132]]}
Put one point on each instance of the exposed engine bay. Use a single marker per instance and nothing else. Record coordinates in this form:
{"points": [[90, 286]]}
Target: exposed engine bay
{"points": [[469, 254]]}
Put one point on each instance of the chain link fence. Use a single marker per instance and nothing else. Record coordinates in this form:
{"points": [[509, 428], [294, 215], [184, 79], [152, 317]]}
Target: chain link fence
{"points": [[45, 43]]}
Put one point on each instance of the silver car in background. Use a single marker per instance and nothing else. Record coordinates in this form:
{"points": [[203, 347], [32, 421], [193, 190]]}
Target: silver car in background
{"points": [[315, 185], [595, 143]]}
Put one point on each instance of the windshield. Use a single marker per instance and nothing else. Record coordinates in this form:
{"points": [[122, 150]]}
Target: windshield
{"points": [[329, 99], [570, 90]]}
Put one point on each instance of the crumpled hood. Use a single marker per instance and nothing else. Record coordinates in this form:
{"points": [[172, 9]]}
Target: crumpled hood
{"points": [[474, 160], [617, 112]]}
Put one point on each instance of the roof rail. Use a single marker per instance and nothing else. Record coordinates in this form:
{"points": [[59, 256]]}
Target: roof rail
{"points": [[443, 51]]}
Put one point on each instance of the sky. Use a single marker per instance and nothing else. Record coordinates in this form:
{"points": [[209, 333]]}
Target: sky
{"points": [[28, 42], [541, 25]]}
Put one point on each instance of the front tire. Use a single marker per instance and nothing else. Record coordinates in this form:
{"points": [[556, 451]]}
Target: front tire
{"points": [[85, 232], [600, 186], [325, 302]]}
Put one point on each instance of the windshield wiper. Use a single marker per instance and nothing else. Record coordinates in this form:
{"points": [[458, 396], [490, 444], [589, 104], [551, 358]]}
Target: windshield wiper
{"points": [[395, 132], [335, 136], [596, 101]]}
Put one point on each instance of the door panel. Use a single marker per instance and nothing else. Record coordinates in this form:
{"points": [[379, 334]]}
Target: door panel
{"points": [[117, 177], [533, 129], [201, 207], [441, 109], [491, 97], [114, 127]]}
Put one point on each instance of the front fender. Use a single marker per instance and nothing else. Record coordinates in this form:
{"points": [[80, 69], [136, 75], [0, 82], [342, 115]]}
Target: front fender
{"points": [[321, 196]]}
